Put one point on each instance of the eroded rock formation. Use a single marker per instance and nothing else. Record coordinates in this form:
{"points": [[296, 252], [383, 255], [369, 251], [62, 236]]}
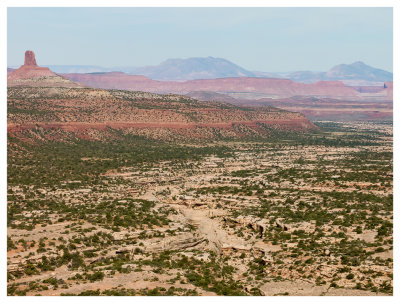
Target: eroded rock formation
{"points": [[30, 58]]}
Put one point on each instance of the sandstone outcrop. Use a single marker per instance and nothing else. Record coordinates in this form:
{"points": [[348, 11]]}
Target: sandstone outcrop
{"points": [[30, 69], [30, 58], [30, 74]]}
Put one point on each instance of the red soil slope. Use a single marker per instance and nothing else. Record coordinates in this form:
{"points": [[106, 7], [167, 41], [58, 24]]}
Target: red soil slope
{"points": [[93, 113]]}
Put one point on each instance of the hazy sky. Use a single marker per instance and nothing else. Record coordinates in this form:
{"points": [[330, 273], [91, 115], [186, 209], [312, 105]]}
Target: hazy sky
{"points": [[264, 39]]}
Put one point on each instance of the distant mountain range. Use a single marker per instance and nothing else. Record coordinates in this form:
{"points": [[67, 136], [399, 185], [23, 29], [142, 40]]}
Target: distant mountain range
{"points": [[194, 68], [357, 73], [321, 100], [344, 72]]}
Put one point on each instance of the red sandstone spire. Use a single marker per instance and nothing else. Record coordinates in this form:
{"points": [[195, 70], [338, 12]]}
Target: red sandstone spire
{"points": [[30, 58], [30, 69]]}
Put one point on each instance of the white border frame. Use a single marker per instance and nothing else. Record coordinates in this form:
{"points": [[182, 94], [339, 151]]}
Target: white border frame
{"points": [[4, 4]]}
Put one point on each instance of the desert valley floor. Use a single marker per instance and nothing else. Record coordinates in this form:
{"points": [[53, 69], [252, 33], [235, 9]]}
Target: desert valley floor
{"points": [[307, 213]]}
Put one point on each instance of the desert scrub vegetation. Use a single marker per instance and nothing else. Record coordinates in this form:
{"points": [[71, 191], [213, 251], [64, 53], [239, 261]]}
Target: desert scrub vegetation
{"points": [[226, 217], [54, 162]]}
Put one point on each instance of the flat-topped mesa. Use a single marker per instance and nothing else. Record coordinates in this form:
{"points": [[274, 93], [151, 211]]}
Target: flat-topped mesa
{"points": [[30, 58]]}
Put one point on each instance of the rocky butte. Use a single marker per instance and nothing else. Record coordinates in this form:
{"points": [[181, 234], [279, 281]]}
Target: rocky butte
{"points": [[30, 74], [30, 69], [30, 58]]}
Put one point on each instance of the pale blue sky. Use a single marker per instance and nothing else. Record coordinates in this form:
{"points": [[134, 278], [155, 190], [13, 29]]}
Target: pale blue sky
{"points": [[264, 39]]}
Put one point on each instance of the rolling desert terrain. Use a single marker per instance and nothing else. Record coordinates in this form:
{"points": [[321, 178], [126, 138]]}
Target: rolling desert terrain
{"points": [[123, 185]]}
